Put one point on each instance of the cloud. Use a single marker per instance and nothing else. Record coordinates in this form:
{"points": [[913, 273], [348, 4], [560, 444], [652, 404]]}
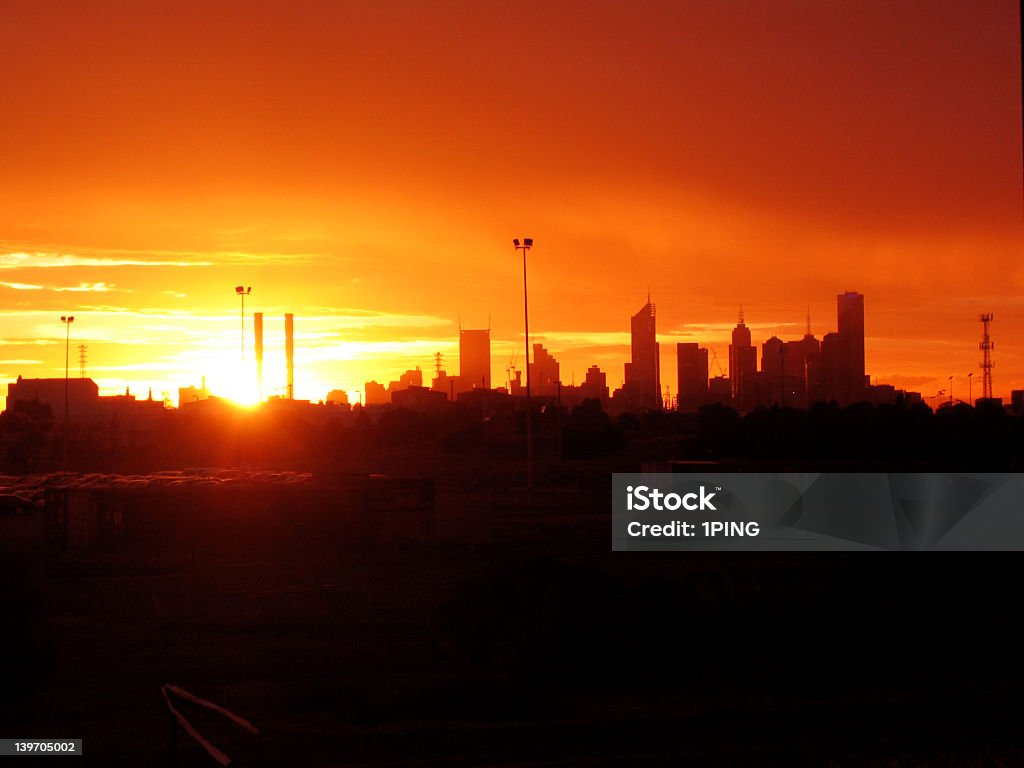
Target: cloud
{"points": [[91, 288], [345, 317], [21, 260], [82, 287], [167, 367], [582, 338], [27, 342]]}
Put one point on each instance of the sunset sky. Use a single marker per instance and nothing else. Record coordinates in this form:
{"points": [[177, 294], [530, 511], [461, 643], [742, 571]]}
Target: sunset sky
{"points": [[365, 165]]}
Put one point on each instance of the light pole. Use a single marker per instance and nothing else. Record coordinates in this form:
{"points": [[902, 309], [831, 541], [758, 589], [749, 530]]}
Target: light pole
{"points": [[782, 376], [67, 320], [524, 246], [243, 291], [950, 390], [970, 388]]}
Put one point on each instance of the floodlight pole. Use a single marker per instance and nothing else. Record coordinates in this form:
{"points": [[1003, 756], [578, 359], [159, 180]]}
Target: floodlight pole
{"points": [[524, 246], [243, 291], [67, 320]]}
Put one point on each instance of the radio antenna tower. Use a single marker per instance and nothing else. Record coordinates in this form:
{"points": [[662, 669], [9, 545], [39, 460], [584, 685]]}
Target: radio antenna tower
{"points": [[986, 346], [82, 358]]}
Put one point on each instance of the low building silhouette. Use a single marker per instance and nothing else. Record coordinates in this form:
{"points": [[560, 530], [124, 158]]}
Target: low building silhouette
{"points": [[544, 374], [337, 397], [376, 394], [419, 399]]}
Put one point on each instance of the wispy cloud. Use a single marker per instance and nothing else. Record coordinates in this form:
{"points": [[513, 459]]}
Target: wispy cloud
{"points": [[22, 255], [582, 338], [348, 318], [82, 287], [21, 260], [22, 286], [167, 367], [100, 287], [27, 342]]}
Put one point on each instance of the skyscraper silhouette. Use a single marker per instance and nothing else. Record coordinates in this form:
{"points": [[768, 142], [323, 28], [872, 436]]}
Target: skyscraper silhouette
{"points": [[851, 327], [742, 365], [475, 359], [642, 386]]}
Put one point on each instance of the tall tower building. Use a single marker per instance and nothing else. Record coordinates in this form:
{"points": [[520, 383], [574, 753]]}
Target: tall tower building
{"points": [[643, 373], [742, 365], [810, 355], [475, 359], [851, 328]]}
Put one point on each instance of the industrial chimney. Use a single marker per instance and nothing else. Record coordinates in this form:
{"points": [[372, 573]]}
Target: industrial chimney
{"points": [[257, 327], [289, 352]]}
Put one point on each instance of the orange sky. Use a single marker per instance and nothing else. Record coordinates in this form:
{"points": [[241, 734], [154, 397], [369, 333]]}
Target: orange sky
{"points": [[366, 164]]}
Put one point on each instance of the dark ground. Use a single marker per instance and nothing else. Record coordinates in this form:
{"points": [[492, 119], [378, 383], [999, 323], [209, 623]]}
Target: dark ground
{"points": [[514, 636]]}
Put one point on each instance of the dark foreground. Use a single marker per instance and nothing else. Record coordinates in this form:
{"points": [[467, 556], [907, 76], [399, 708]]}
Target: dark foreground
{"points": [[514, 636]]}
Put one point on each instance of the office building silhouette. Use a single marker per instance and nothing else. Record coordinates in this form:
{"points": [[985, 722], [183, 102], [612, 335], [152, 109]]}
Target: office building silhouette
{"points": [[474, 359], [850, 306], [642, 386], [742, 366], [692, 381]]}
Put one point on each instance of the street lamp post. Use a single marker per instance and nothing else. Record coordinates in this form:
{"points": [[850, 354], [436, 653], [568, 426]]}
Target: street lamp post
{"points": [[67, 320], [243, 291], [950, 390], [525, 245], [970, 389]]}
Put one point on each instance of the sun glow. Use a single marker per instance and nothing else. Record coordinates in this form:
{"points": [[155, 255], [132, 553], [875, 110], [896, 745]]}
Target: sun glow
{"points": [[227, 380]]}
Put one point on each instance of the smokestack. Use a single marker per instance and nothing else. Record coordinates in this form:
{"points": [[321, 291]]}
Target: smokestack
{"points": [[289, 352], [257, 328]]}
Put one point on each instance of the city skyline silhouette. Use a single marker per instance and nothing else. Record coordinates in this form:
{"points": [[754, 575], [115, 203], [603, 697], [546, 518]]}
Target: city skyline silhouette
{"points": [[722, 380]]}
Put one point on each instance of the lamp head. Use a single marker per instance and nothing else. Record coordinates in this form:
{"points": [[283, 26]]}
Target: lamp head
{"points": [[515, 242], [528, 242], [239, 289]]}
